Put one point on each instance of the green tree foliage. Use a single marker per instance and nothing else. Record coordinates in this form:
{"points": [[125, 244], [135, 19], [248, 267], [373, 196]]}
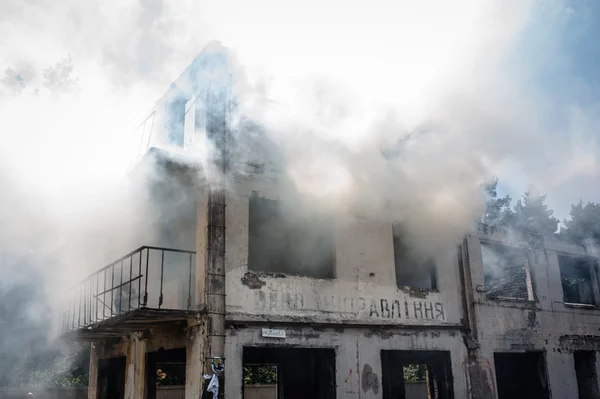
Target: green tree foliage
{"points": [[414, 372], [62, 366], [531, 214], [497, 210], [260, 375], [584, 225]]}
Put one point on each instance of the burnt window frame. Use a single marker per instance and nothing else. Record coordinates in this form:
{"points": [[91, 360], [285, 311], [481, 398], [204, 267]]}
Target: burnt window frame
{"points": [[433, 272], [594, 270], [529, 272], [331, 273]]}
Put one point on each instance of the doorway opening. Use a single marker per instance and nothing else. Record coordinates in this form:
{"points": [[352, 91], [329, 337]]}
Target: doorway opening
{"points": [[288, 373], [585, 369], [165, 374], [521, 375], [416, 375], [111, 378]]}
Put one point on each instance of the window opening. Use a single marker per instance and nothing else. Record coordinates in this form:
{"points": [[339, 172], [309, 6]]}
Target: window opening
{"points": [[284, 240], [506, 272], [412, 269], [576, 279]]}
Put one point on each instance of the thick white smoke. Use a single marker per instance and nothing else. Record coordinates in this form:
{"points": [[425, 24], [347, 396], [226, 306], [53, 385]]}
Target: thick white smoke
{"points": [[407, 121], [426, 83]]}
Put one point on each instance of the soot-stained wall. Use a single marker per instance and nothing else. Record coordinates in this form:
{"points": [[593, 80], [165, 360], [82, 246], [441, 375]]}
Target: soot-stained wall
{"points": [[364, 288], [358, 367], [544, 323], [339, 269]]}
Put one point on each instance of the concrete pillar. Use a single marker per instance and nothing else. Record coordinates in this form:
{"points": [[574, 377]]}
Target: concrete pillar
{"points": [[369, 369], [195, 358], [561, 374], [201, 251], [135, 367], [348, 370], [234, 352], [93, 373], [481, 375]]}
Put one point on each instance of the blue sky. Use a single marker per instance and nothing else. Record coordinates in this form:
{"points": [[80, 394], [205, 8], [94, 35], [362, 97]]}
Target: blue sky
{"points": [[558, 53], [557, 57]]}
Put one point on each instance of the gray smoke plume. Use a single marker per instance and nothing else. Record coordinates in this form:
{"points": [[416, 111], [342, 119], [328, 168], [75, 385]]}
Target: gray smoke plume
{"points": [[74, 82], [358, 142]]}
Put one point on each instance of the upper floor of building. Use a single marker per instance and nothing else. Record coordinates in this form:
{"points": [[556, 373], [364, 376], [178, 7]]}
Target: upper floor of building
{"points": [[290, 259], [525, 288], [290, 265]]}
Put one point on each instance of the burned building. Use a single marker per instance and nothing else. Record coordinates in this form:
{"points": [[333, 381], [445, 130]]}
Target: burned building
{"points": [[533, 316], [247, 285]]}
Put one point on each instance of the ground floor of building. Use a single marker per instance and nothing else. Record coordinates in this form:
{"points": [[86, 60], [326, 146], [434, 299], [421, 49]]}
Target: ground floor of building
{"points": [[277, 361]]}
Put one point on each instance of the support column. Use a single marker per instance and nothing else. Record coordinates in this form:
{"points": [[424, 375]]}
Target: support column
{"points": [[195, 358], [93, 373], [217, 131], [481, 375], [478, 366], [135, 371]]}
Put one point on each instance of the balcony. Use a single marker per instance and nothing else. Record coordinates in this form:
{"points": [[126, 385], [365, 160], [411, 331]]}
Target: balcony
{"points": [[148, 287]]}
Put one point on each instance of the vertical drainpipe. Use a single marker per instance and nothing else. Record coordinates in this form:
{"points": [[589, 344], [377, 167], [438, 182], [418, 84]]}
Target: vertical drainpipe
{"points": [[217, 130]]}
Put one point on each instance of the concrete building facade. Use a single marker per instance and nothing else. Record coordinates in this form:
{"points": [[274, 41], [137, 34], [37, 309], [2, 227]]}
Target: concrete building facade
{"points": [[316, 304], [546, 331]]}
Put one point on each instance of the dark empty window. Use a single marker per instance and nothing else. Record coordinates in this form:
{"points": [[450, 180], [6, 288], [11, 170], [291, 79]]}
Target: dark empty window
{"points": [[506, 272], [291, 241], [412, 269], [576, 279]]}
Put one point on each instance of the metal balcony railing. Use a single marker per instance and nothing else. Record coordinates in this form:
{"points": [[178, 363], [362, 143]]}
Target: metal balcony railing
{"points": [[147, 278]]}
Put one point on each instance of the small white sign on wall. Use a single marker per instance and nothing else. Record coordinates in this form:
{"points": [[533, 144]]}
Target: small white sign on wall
{"points": [[271, 333]]}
